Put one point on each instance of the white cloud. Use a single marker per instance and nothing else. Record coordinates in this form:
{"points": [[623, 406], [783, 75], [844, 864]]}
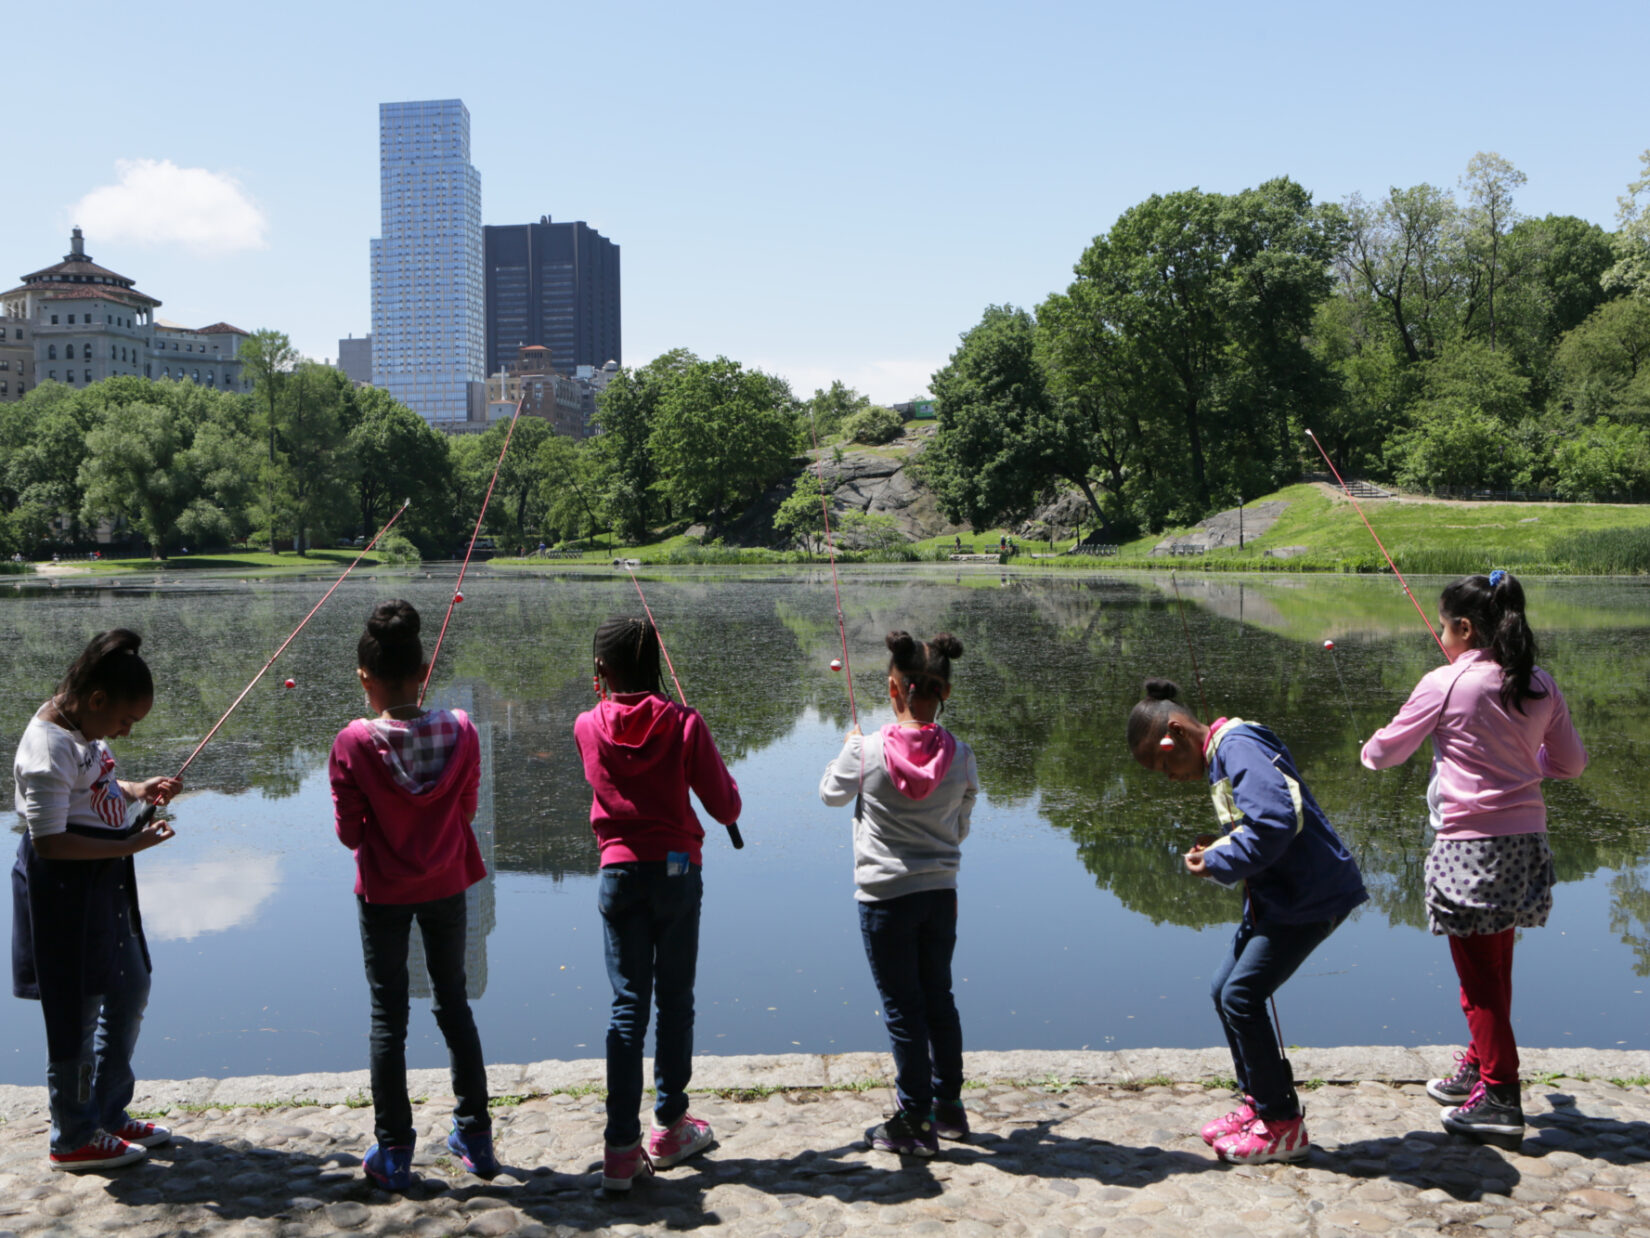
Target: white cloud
{"points": [[155, 202], [886, 382], [182, 901]]}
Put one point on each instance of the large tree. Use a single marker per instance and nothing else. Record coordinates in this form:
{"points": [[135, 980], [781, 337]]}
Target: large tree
{"points": [[266, 357], [393, 454], [721, 434], [1490, 181]]}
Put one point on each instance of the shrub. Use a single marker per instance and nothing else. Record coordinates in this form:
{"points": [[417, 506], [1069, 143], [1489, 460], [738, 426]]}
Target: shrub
{"points": [[875, 425], [393, 548]]}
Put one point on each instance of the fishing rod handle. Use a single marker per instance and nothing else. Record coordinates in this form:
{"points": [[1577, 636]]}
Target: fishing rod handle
{"points": [[736, 837]]}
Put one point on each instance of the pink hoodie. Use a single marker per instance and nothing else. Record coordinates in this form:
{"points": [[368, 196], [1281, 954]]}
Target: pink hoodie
{"points": [[917, 758], [1487, 762], [410, 847], [641, 755]]}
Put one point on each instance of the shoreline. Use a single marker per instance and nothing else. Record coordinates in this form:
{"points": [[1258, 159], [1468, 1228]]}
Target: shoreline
{"points": [[761, 1074]]}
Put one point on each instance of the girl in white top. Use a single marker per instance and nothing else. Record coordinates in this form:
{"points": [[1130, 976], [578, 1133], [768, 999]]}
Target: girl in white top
{"points": [[77, 936]]}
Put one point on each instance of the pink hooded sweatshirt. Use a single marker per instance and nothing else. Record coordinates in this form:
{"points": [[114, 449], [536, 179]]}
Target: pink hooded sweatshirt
{"points": [[1487, 761], [642, 753], [410, 846]]}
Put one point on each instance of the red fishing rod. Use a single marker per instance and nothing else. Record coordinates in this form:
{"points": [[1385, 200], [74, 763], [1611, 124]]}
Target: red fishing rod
{"points": [[458, 589], [836, 585], [734, 835], [1353, 500], [147, 814]]}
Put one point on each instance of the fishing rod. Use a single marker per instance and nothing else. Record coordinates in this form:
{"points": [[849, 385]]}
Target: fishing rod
{"points": [[836, 585], [734, 836], [148, 812], [1359, 508], [458, 589]]}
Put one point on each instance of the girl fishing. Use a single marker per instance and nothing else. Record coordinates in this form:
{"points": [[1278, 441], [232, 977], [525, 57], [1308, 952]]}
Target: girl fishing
{"points": [[1498, 726], [1299, 882], [77, 935], [642, 753], [915, 784], [404, 788]]}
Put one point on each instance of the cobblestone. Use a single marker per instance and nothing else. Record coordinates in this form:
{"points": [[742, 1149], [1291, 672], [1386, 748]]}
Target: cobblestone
{"points": [[1085, 1152]]}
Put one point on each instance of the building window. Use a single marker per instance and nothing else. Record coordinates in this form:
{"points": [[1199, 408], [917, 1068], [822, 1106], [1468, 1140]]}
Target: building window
{"points": [[54, 320], [146, 369], [86, 351], [51, 353], [52, 376], [167, 372], [197, 376], [88, 376]]}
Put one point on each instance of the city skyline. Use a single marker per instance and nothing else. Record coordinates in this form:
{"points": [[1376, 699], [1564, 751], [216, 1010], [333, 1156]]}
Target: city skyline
{"points": [[821, 196]]}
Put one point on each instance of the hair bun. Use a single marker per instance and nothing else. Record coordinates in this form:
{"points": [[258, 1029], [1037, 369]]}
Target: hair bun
{"points": [[1161, 690], [394, 622], [947, 644], [901, 644]]}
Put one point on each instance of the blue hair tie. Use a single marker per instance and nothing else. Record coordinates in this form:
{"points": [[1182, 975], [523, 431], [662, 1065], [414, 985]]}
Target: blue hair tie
{"points": [[1496, 577]]}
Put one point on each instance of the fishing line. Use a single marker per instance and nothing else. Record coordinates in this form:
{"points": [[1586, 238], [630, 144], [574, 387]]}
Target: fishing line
{"points": [[1358, 507], [734, 835], [1197, 674], [836, 586], [148, 812], [1345, 695], [458, 589]]}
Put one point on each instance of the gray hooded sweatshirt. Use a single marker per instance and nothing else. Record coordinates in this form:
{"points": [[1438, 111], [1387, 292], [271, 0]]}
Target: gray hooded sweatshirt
{"points": [[916, 788]]}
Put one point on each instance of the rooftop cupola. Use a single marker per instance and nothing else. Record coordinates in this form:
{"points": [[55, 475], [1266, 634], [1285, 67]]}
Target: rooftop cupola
{"points": [[77, 247]]}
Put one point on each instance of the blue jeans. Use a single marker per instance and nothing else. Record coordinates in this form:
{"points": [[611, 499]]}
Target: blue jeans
{"points": [[651, 920], [90, 1092], [909, 941], [385, 929], [1261, 959]]}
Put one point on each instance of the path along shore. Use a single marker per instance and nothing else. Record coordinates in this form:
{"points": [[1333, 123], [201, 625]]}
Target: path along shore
{"points": [[1064, 1145]]}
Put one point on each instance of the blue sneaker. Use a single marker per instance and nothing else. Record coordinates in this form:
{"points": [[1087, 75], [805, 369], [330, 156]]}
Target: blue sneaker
{"points": [[389, 1169], [475, 1149]]}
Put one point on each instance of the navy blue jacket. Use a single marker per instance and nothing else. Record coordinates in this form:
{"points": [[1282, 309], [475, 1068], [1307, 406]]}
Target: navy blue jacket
{"points": [[1275, 836], [65, 926]]}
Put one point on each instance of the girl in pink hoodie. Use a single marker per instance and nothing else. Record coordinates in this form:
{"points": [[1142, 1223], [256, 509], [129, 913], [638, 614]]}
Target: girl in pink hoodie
{"points": [[642, 752], [913, 784], [1498, 725], [404, 787]]}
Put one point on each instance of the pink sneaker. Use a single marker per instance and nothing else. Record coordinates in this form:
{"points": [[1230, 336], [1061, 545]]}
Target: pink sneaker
{"points": [[1231, 1124], [622, 1166], [670, 1147], [1262, 1141]]}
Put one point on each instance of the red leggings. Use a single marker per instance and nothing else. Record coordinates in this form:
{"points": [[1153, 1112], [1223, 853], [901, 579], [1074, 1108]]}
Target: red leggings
{"points": [[1484, 964]]}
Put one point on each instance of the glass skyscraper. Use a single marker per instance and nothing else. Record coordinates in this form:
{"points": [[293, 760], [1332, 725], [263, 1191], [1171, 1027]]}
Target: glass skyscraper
{"points": [[428, 324]]}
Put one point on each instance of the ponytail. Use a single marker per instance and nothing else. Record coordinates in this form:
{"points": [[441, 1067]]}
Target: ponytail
{"points": [[1150, 716], [1495, 604], [110, 664]]}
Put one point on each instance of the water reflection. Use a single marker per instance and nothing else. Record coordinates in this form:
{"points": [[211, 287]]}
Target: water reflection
{"points": [[1052, 664]]}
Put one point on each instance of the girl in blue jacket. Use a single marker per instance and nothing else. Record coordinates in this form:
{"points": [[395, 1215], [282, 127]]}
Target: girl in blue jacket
{"points": [[1299, 883]]}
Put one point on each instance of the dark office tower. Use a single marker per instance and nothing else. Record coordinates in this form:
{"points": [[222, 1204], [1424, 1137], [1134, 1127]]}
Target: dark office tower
{"points": [[556, 285]]}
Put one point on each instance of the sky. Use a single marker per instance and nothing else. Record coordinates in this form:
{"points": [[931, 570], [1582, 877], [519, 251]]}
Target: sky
{"points": [[824, 191]]}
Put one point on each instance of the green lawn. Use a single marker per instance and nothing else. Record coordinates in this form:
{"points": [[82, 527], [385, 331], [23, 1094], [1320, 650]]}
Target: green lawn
{"points": [[260, 561]]}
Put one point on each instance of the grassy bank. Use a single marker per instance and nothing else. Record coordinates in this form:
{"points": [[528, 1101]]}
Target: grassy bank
{"points": [[260, 562]]}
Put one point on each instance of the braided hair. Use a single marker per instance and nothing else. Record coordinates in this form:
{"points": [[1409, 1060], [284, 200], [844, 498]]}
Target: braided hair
{"points": [[924, 667], [629, 650], [1495, 604]]}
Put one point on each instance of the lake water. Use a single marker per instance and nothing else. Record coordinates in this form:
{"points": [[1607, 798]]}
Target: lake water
{"points": [[1078, 927]]}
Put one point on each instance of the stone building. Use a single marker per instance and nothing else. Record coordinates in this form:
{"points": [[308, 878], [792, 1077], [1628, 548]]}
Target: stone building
{"points": [[78, 323], [566, 401]]}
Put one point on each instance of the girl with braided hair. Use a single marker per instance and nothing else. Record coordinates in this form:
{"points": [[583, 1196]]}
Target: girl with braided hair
{"points": [[642, 753]]}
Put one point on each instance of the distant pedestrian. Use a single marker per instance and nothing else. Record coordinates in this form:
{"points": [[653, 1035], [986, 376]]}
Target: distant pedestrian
{"points": [[1299, 883], [77, 938], [404, 789], [1498, 726], [642, 753], [914, 786]]}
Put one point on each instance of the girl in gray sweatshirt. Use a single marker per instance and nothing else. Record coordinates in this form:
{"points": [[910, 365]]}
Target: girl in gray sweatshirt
{"points": [[913, 784]]}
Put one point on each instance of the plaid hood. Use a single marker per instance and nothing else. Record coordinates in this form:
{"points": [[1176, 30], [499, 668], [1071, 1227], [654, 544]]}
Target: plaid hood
{"points": [[417, 752]]}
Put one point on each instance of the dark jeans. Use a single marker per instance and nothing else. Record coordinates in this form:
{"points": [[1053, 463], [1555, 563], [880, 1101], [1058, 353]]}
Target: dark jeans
{"points": [[90, 1092], [909, 941], [1261, 959], [385, 928], [652, 924]]}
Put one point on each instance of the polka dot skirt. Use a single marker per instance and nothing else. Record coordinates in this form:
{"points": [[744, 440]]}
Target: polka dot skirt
{"points": [[1487, 885]]}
